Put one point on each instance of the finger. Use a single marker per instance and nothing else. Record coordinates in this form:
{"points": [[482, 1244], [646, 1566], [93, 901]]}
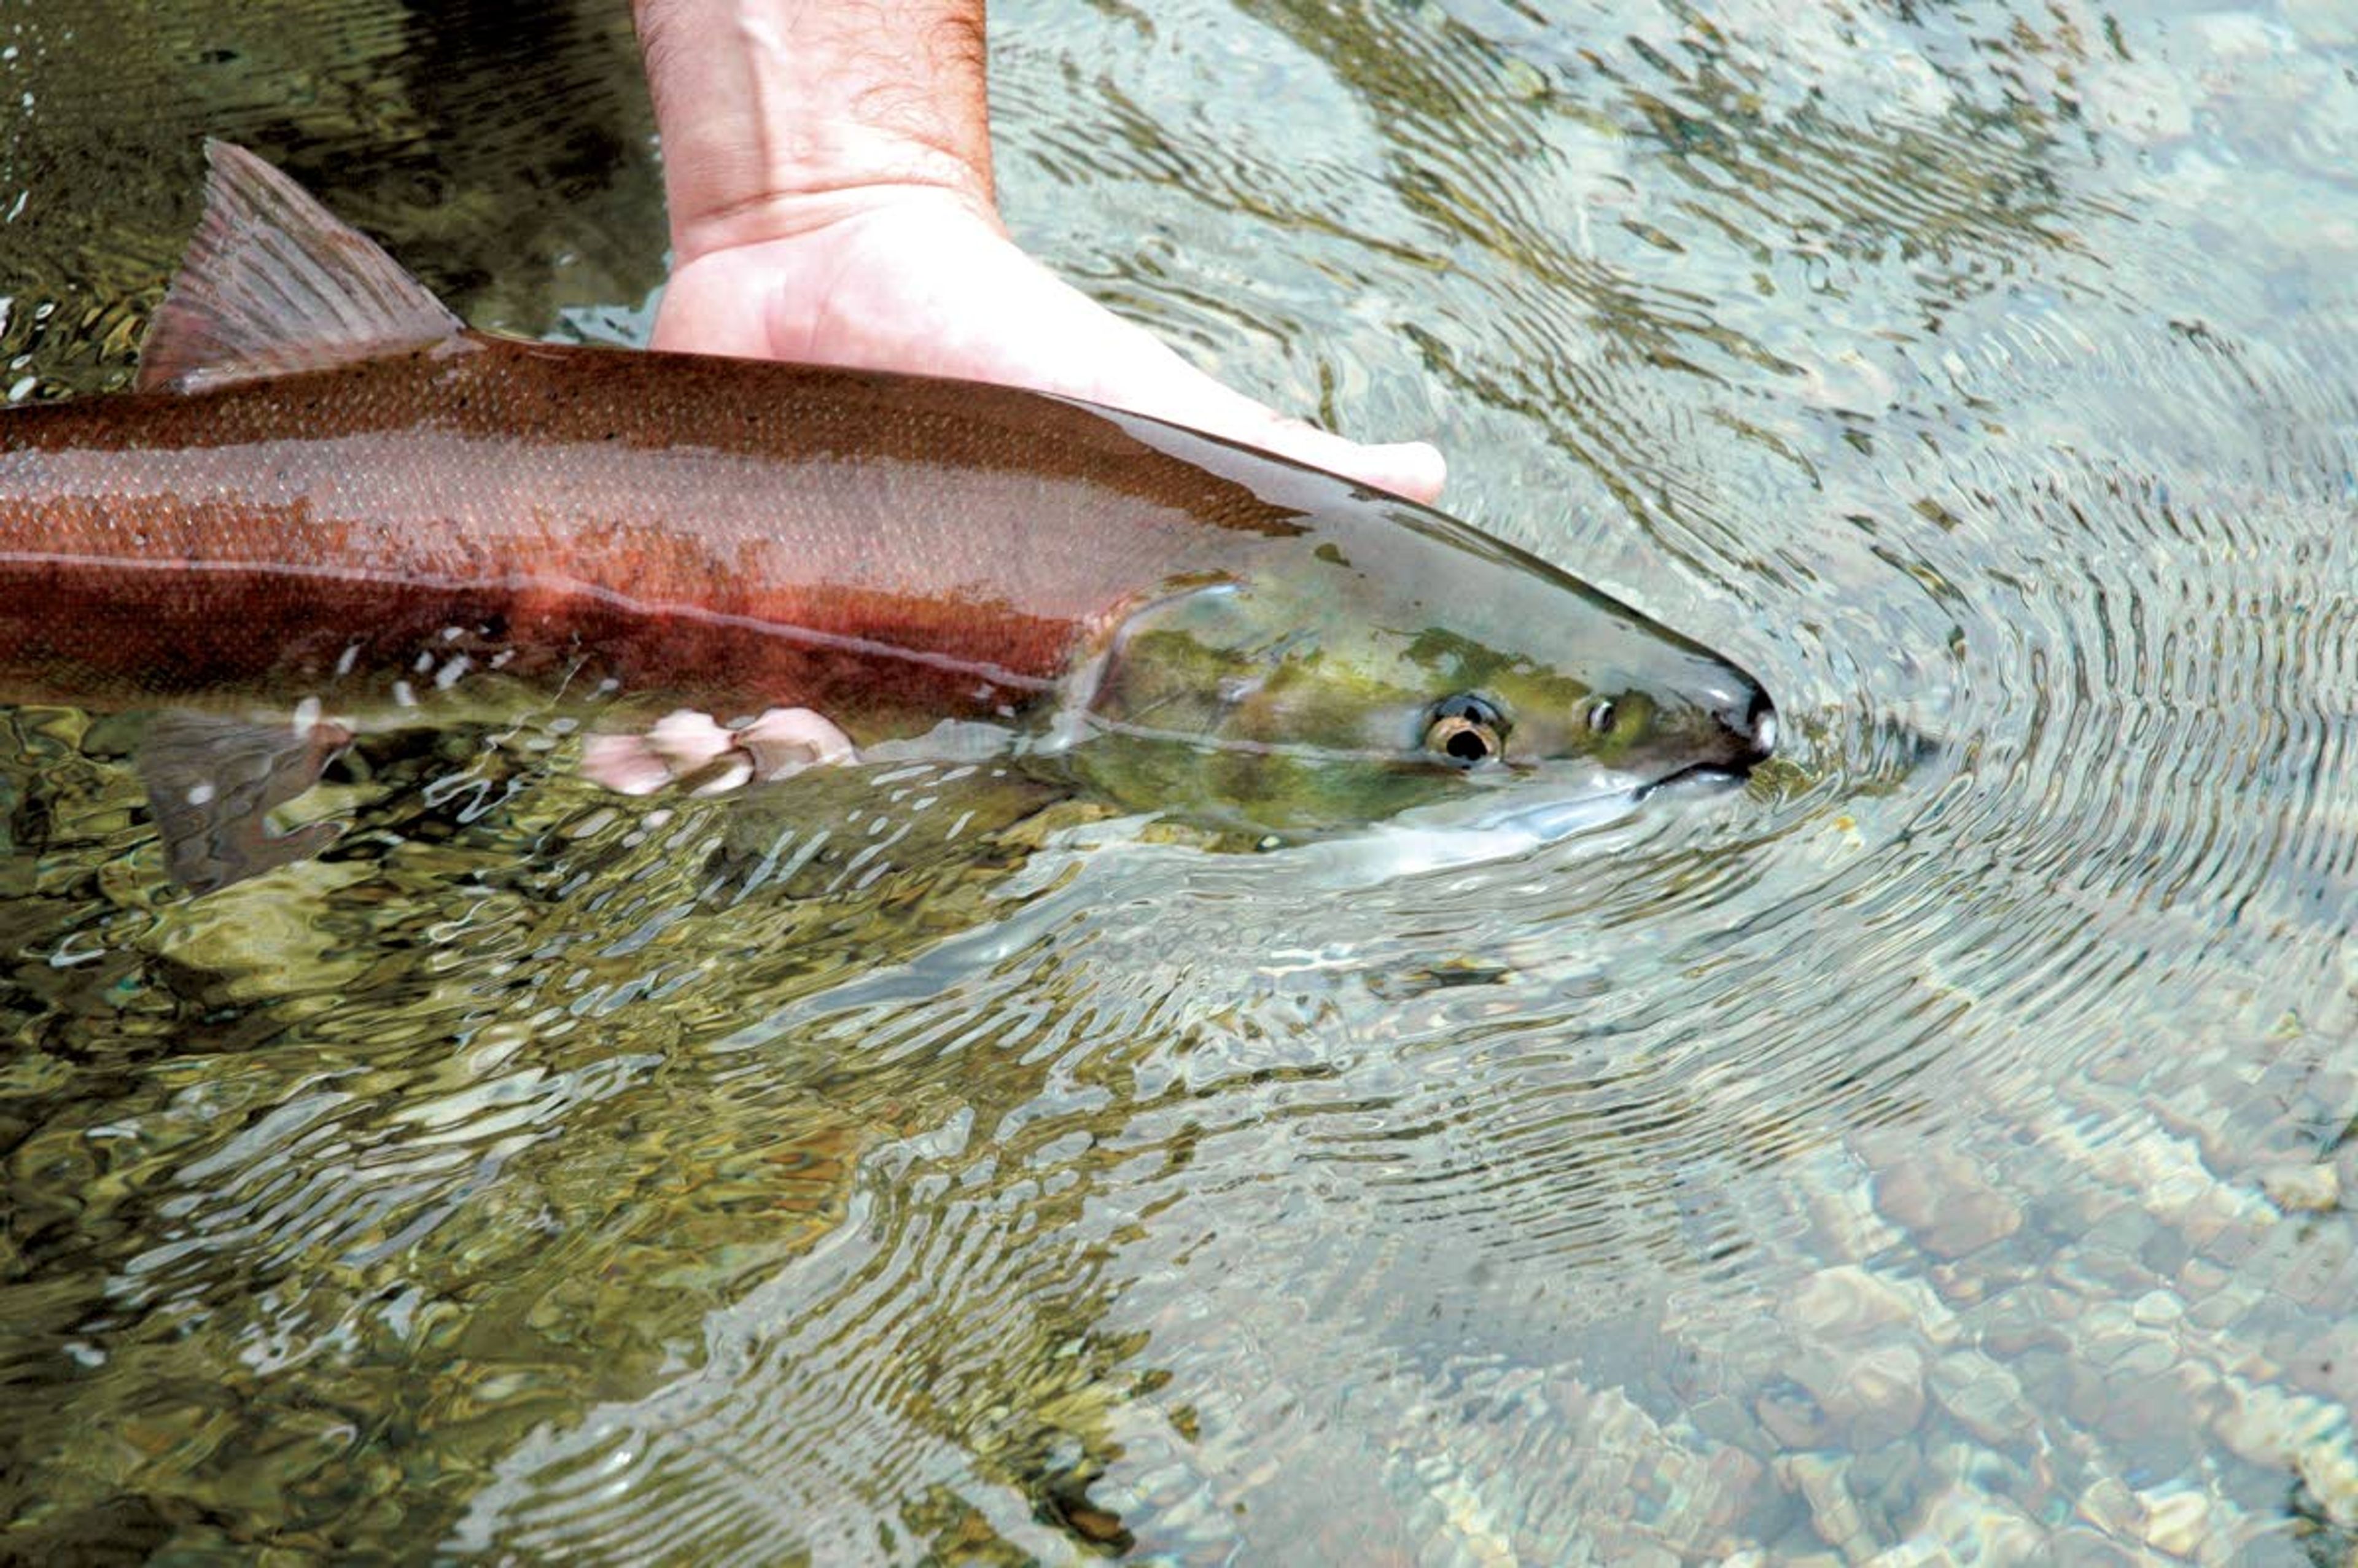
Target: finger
{"points": [[1411, 469], [1137, 371], [784, 739], [623, 763], [686, 740]]}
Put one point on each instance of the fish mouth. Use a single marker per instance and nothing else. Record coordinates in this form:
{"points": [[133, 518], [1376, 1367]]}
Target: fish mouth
{"points": [[1754, 743], [1746, 742], [1751, 741]]}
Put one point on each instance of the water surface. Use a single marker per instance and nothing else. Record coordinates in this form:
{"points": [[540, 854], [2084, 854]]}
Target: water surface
{"points": [[1943, 1146]]}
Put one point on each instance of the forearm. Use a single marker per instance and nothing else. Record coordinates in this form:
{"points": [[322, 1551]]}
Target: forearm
{"points": [[769, 108]]}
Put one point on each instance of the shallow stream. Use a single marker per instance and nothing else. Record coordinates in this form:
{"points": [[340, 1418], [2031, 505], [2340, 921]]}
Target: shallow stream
{"points": [[1939, 1150]]}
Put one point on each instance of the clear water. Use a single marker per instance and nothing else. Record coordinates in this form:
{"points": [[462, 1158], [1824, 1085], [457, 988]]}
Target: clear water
{"points": [[1942, 1150]]}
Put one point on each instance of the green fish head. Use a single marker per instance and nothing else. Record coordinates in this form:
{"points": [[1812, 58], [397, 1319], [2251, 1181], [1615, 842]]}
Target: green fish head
{"points": [[1372, 665]]}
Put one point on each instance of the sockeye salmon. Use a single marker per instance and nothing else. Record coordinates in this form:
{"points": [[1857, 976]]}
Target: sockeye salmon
{"points": [[327, 496]]}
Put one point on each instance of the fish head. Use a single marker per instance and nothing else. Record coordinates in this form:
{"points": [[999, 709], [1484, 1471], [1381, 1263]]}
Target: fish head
{"points": [[1379, 663]]}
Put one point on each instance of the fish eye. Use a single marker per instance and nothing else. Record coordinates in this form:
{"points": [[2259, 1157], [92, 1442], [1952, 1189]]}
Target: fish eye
{"points": [[1467, 730], [1601, 715]]}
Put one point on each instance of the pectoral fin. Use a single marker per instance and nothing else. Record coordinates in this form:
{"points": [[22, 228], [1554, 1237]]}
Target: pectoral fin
{"points": [[213, 782]]}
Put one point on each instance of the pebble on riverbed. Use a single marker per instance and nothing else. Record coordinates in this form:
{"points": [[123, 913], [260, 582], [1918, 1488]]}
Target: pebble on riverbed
{"points": [[1945, 1202], [2296, 1188]]}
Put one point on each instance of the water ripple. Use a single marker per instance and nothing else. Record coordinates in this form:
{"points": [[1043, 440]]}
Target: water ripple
{"points": [[843, 1172]]}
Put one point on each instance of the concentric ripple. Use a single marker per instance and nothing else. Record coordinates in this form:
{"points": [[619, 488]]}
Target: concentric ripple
{"points": [[1942, 1142]]}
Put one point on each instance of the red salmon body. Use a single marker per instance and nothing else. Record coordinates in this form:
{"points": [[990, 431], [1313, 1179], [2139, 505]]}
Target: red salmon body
{"points": [[729, 532]]}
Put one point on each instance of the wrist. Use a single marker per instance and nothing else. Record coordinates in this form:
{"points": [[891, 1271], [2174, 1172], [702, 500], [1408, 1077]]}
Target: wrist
{"points": [[779, 116]]}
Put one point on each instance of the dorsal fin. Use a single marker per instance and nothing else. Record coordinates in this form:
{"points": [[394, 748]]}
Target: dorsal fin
{"points": [[274, 283]]}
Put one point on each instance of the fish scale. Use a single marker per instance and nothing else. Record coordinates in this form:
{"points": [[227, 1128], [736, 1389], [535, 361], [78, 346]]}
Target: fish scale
{"points": [[501, 483]]}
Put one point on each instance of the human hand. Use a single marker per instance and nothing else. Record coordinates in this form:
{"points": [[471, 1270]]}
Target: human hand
{"points": [[915, 278], [827, 171]]}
